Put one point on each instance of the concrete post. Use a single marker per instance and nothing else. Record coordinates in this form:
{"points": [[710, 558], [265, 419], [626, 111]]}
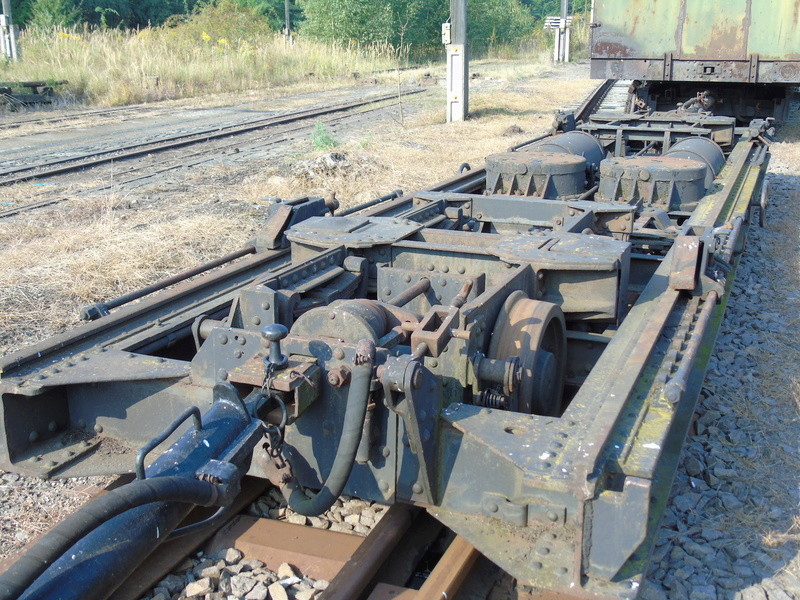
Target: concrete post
{"points": [[288, 20], [561, 49], [457, 63], [8, 33]]}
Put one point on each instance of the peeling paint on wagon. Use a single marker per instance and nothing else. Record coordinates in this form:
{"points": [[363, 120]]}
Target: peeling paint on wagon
{"points": [[752, 41], [775, 33], [709, 32]]}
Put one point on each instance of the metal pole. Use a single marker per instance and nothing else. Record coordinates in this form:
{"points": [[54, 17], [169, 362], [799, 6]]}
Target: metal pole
{"points": [[458, 63], [288, 19], [563, 35]]}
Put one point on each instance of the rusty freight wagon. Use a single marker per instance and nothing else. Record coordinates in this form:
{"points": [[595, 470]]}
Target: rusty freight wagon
{"points": [[743, 55]]}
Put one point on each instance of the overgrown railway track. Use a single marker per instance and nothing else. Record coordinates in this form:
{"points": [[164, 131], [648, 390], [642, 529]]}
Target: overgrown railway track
{"points": [[189, 153], [65, 165], [131, 176], [68, 116]]}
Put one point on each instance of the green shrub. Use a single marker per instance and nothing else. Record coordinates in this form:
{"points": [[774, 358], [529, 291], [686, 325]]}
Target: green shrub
{"points": [[47, 14], [321, 138]]}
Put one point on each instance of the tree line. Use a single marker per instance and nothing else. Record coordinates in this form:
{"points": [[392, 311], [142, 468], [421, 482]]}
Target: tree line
{"points": [[397, 22]]}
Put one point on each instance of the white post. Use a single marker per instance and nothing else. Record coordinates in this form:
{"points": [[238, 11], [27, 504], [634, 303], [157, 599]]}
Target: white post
{"points": [[287, 30], [457, 63], [564, 32], [9, 32], [557, 44]]}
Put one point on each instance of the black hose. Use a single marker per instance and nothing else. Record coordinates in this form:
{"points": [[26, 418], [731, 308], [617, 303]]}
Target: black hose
{"points": [[352, 430], [67, 533]]}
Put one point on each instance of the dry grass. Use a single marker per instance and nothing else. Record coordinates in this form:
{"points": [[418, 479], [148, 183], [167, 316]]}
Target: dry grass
{"points": [[96, 249], [113, 67]]}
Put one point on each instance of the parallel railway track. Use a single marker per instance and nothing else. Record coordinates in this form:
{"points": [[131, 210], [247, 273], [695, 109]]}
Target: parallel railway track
{"points": [[68, 116], [208, 148], [124, 152]]}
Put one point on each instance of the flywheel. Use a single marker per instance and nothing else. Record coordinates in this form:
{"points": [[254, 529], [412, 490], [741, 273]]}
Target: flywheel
{"points": [[534, 332]]}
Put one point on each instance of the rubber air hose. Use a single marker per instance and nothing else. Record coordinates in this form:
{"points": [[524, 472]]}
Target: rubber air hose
{"points": [[66, 534], [352, 430]]}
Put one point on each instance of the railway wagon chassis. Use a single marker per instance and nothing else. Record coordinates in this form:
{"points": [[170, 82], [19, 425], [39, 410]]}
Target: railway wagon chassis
{"points": [[519, 350]]}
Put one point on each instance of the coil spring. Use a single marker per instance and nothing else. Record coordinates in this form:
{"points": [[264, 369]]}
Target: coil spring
{"points": [[493, 399]]}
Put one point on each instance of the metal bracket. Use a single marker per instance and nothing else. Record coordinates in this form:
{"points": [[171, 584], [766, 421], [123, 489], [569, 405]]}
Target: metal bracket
{"points": [[668, 66], [753, 73], [687, 254], [500, 507], [435, 329], [618, 525], [414, 382]]}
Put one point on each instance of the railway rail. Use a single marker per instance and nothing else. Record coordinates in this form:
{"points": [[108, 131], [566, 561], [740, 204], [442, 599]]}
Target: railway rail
{"points": [[626, 351], [69, 116], [65, 165], [171, 159]]}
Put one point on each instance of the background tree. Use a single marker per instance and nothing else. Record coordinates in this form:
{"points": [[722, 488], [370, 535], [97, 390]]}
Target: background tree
{"points": [[364, 21], [21, 10], [53, 13]]}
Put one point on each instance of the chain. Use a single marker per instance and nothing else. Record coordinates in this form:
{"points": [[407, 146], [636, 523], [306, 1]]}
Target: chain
{"points": [[274, 433]]}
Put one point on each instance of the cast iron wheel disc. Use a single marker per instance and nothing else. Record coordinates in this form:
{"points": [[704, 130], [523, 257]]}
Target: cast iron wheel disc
{"points": [[535, 332]]}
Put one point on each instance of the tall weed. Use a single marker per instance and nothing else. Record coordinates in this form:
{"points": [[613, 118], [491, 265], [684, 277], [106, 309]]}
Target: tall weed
{"points": [[213, 51]]}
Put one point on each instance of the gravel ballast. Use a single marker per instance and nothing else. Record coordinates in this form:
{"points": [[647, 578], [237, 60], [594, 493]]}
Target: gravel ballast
{"points": [[732, 527], [229, 575]]}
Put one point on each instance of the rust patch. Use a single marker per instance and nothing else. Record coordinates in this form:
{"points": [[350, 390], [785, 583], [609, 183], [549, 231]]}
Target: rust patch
{"points": [[727, 43], [610, 50]]}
